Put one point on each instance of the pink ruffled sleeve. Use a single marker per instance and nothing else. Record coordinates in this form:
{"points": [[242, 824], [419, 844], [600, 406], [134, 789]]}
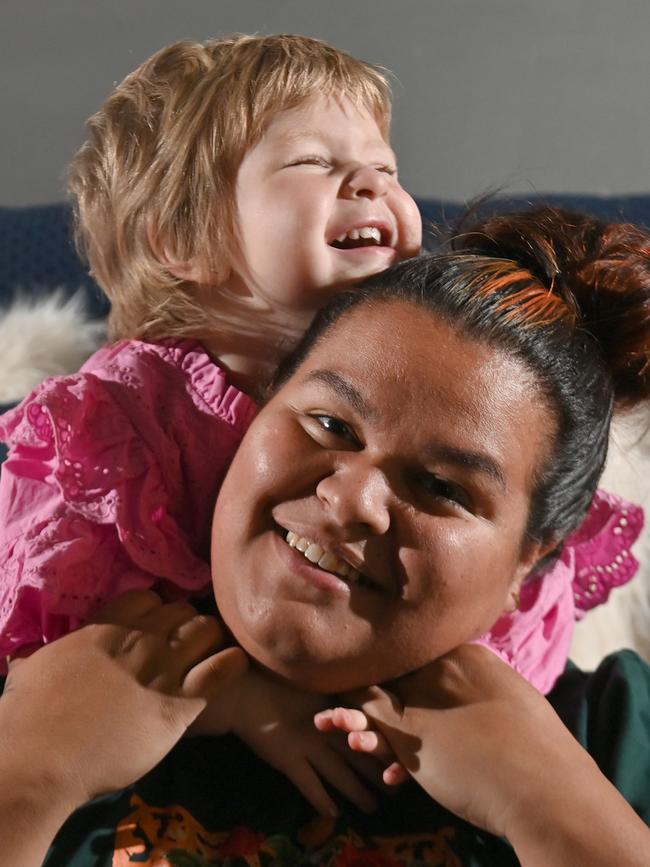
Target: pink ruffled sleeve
{"points": [[109, 485], [536, 638]]}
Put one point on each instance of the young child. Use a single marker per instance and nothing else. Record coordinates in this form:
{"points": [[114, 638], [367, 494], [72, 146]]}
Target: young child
{"points": [[227, 190]]}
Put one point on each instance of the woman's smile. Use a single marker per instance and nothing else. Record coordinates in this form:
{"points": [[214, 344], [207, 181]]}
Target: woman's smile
{"points": [[299, 563]]}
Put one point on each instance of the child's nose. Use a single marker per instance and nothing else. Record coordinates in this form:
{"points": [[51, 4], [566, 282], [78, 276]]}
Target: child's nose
{"points": [[357, 498], [365, 182]]}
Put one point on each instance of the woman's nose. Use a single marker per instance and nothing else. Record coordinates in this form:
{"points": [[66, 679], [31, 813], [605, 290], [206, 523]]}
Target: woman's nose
{"points": [[357, 499], [365, 182]]}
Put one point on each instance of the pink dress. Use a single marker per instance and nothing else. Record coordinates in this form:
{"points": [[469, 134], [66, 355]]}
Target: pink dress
{"points": [[110, 485]]}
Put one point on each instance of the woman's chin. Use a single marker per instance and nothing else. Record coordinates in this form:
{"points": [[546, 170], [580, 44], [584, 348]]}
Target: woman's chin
{"points": [[296, 667]]}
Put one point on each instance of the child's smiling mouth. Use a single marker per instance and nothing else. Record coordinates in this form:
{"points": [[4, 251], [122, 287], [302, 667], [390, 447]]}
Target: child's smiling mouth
{"points": [[366, 236], [373, 234]]}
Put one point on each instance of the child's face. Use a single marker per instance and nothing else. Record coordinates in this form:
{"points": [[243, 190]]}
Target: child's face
{"points": [[322, 172], [406, 451]]}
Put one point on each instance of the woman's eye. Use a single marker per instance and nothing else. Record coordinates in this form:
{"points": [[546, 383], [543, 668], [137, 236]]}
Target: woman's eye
{"points": [[334, 426], [443, 489]]}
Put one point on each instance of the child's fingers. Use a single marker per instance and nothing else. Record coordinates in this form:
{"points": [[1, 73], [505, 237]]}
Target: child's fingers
{"points": [[341, 718], [378, 704], [197, 637], [395, 775], [207, 679], [323, 721], [127, 609], [372, 743], [182, 649], [167, 619]]}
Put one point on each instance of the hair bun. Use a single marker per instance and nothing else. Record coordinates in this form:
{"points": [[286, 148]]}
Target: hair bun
{"points": [[601, 270]]}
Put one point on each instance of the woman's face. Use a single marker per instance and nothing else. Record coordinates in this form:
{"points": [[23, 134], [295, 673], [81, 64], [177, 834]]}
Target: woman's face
{"points": [[399, 450]]}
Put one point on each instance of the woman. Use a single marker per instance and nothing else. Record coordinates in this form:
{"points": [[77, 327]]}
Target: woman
{"points": [[424, 515], [451, 414]]}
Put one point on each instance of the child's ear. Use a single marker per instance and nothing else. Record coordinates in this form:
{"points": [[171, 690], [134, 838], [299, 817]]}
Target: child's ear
{"points": [[531, 553], [192, 270]]}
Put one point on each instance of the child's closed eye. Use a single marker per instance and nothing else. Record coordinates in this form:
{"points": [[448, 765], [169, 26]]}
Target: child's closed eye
{"points": [[388, 170], [310, 160]]}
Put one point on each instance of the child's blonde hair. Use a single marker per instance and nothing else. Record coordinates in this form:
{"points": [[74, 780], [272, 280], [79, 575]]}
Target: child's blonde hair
{"points": [[162, 157]]}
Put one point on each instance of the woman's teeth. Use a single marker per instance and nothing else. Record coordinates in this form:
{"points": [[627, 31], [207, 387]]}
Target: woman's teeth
{"points": [[322, 558]]}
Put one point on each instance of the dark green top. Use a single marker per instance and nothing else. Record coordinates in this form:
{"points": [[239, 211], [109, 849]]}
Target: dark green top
{"points": [[211, 801]]}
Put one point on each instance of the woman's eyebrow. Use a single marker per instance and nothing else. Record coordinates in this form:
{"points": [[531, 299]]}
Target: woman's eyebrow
{"points": [[344, 389], [467, 459]]}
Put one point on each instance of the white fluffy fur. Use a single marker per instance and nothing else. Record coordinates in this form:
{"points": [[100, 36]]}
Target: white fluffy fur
{"points": [[43, 337], [53, 336]]}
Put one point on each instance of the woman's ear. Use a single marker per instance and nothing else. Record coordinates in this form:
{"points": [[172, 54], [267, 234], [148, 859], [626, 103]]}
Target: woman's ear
{"points": [[531, 554]]}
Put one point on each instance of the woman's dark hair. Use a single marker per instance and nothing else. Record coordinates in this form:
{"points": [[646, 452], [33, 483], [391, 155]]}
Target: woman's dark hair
{"points": [[567, 295]]}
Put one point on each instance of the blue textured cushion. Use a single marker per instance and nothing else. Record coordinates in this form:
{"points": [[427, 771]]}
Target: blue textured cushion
{"points": [[37, 255], [634, 209]]}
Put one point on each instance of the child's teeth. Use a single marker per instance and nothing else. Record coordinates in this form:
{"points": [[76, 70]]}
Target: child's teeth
{"points": [[353, 234], [341, 238], [314, 552], [370, 232]]}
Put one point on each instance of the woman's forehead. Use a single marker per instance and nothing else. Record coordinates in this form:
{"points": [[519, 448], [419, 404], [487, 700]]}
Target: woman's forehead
{"points": [[405, 369]]}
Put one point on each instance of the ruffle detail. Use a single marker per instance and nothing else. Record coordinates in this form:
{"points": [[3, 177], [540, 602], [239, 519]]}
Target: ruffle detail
{"points": [[110, 485], [601, 545], [536, 638], [208, 381]]}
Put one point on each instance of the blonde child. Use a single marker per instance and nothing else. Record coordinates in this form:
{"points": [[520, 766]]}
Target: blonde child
{"points": [[227, 189]]}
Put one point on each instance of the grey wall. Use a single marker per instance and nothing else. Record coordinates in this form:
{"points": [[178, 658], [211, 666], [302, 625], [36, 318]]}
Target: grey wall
{"points": [[534, 94]]}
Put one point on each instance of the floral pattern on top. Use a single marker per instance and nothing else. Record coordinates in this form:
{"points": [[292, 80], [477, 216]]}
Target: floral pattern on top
{"points": [[172, 837]]}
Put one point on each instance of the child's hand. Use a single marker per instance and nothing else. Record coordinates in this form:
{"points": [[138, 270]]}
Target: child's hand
{"points": [[100, 707], [363, 738], [276, 721], [488, 746], [473, 733]]}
